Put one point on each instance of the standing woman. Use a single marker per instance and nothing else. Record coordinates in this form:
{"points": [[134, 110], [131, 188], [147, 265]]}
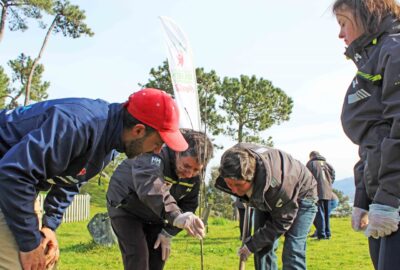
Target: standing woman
{"points": [[371, 119]]}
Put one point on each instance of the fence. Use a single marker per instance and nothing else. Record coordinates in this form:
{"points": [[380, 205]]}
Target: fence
{"points": [[78, 210]]}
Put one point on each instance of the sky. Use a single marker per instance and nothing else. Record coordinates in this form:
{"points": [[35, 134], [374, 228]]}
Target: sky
{"points": [[294, 44]]}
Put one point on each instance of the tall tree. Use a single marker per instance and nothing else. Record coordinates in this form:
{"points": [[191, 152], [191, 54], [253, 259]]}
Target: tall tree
{"points": [[16, 13], [69, 20], [20, 72], [207, 83], [252, 105], [4, 84]]}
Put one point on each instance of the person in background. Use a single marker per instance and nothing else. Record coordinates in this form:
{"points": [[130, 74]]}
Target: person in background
{"points": [[276, 184], [325, 176], [152, 197], [57, 145], [371, 119], [333, 203]]}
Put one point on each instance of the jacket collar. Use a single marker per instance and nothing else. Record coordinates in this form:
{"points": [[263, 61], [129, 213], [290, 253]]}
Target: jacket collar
{"points": [[113, 129], [389, 25]]}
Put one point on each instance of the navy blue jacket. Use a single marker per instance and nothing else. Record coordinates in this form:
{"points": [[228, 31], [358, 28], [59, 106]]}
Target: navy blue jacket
{"points": [[54, 145]]}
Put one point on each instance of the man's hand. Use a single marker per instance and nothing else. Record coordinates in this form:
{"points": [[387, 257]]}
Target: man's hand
{"points": [[33, 260], [359, 219], [50, 246], [191, 223], [383, 220], [164, 239], [244, 253]]}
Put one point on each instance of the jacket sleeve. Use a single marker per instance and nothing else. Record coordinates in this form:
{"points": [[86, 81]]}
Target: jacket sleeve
{"points": [[149, 185], [44, 152], [388, 192], [281, 221], [360, 198], [312, 168], [57, 201], [332, 172], [188, 203]]}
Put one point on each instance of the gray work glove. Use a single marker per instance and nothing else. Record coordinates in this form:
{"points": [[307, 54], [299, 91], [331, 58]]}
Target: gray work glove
{"points": [[164, 239], [191, 223], [359, 219], [383, 220]]}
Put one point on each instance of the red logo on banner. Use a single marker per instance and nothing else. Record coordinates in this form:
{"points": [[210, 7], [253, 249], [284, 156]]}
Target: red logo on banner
{"points": [[180, 59]]}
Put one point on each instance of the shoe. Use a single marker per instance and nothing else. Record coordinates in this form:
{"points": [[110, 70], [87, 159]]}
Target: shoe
{"points": [[314, 235]]}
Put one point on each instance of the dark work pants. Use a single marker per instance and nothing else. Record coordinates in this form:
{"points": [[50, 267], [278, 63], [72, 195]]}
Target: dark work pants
{"points": [[321, 221], [136, 241], [384, 252]]}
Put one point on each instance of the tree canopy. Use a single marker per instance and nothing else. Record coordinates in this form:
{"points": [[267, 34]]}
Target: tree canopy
{"points": [[252, 105], [69, 20], [10, 92], [16, 13]]}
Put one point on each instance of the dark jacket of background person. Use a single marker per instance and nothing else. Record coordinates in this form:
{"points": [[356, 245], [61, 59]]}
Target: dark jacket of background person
{"points": [[324, 174], [371, 115], [148, 189], [279, 183], [69, 142]]}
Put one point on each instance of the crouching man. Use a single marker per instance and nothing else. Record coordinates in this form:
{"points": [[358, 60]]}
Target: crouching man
{"points": [[278, 187], [152, 197]]}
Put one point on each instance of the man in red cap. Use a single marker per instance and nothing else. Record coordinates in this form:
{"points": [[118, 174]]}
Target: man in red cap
{"points": [[56, 146]]}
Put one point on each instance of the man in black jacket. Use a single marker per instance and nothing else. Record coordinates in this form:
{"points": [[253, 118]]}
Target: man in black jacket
{"points": [[152, 197], [276, 184], [325, 175]]}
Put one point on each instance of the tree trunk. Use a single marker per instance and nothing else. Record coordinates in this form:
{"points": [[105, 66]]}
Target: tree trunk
{"points": [[240, 133], [3, 20], [36, 61]]}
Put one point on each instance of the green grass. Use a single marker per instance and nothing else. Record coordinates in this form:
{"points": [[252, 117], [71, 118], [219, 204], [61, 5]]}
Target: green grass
{"points": [[347, 250]]}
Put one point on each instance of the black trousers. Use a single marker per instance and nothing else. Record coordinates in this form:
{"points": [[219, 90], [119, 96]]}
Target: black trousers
{"points": [[136, 241], [384, 251]]}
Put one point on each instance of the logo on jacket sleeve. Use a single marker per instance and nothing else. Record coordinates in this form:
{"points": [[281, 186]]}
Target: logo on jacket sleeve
{"points": [[82, 172], [155, 161], [279, 203], [357, 96]]}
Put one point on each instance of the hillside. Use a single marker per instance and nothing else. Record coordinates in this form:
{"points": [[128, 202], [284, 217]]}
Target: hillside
{"points": [[346, 185]]}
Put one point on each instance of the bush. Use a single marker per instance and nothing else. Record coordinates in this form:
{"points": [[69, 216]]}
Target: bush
{"points": [[219, 221]]}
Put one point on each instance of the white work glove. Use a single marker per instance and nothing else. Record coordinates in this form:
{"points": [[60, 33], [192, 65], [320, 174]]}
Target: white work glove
{"points": [[191, 223], [383, 220], [359, 219], [244, 253], [164, 239]]}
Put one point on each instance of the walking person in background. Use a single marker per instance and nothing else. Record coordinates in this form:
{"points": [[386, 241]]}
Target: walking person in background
{"points": [[57, 145], [325, 175], [371, 119], [153, 188], [276, 184]]}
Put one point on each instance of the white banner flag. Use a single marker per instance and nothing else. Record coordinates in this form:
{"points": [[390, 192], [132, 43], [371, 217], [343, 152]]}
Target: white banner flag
{"points": [[183, 74]]}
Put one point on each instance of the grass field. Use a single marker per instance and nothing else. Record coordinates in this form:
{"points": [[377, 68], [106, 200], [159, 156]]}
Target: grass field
{"points": [[347, 250]]}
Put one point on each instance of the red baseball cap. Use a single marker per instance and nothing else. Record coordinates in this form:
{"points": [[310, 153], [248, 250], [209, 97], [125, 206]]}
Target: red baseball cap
{"points": [[157, 109]]}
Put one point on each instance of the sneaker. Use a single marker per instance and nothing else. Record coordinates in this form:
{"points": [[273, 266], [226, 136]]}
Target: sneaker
{"points": [[314, 235]]}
